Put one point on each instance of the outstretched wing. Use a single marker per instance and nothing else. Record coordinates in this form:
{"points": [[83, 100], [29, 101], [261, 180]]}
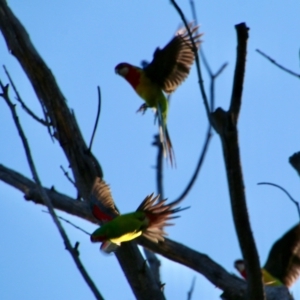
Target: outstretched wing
{"points": [[171, 65], [284, 258], [158, 213], [102, 204]]}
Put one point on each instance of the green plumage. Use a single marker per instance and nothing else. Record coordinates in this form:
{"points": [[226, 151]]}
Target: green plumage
{"points": [[148, 220], [122, 229], [169, 67]]}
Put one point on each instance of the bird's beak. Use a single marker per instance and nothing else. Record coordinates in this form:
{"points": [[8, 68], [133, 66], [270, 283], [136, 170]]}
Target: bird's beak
{"points": [[122, 71]]}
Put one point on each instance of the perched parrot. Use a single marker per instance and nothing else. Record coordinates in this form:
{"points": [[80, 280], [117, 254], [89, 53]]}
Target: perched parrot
{"points": [[148, 220], [168, 69], [283, 263]]}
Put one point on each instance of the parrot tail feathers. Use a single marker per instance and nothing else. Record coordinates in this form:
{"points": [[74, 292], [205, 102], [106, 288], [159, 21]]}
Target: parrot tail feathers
{"points": [[170, 150], [158, 213], [164, 138], [153, 238]]}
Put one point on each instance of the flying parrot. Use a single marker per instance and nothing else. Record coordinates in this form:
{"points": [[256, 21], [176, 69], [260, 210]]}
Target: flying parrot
{"points": [[148, 220], [169, 68], [283, 263]]}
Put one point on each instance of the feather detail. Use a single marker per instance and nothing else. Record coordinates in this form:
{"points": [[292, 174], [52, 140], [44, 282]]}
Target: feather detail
{"points": [[171, 65], [284, 258], [283, 263], [101, 202], [164, 138], [158, 213]]}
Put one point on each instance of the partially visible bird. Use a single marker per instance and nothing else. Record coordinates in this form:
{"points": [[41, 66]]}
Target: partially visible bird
{"points": [[169, 68], [148, 220], [283, 263]]}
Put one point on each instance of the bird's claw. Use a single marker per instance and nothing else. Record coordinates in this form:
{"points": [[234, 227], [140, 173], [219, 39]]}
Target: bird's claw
{"points": [[142, 108]]}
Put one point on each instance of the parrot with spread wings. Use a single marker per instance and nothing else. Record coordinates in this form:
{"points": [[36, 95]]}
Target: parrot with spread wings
{"points": [[148, 220], [283, 263], [169, 68]]}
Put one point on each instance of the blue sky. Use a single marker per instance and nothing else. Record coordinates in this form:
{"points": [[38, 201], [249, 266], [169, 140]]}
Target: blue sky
{"points": [[82, 42]]}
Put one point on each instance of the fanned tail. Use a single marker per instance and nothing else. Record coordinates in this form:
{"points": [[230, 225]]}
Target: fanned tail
{"points": [[158, 213]]}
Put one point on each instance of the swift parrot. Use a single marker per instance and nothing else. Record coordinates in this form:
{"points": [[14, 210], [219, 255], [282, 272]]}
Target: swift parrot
{"points": [[283, 263], [148, 220], [170, 66]]}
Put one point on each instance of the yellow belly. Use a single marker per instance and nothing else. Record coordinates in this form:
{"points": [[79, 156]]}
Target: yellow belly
{"points": [[269, 279], [150, 92], [126, 237]]}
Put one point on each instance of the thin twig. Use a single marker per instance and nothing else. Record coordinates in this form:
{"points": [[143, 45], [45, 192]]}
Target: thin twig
{"points": [[277, 64], [153, 261], [67, 175], [205, 62], [203, 93], [69, 222], [207, 139], [212, 85], [193, 8], [190, 292], [26, 108], [159, 166], [197, 60], [202, 55], [44, 195], [220, 70], [198, 167], [97, 118], [23, 105], [286, 192]]}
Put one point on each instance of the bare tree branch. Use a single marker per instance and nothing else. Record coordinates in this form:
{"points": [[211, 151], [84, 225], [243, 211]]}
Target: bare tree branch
{"points": [[197, 60], [174, 251], [45, 122], [295, 161], [67, 175], [190, 292], [159, 166], [24, 106], [84, 165], [70, 223], [277, 64], [154, 264], [97, 118], [239, 73], [45, 197], [286, 192], [153, 261], [202, 89], [225, 123], [85, 168], [207, 138], [198, 167]]}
